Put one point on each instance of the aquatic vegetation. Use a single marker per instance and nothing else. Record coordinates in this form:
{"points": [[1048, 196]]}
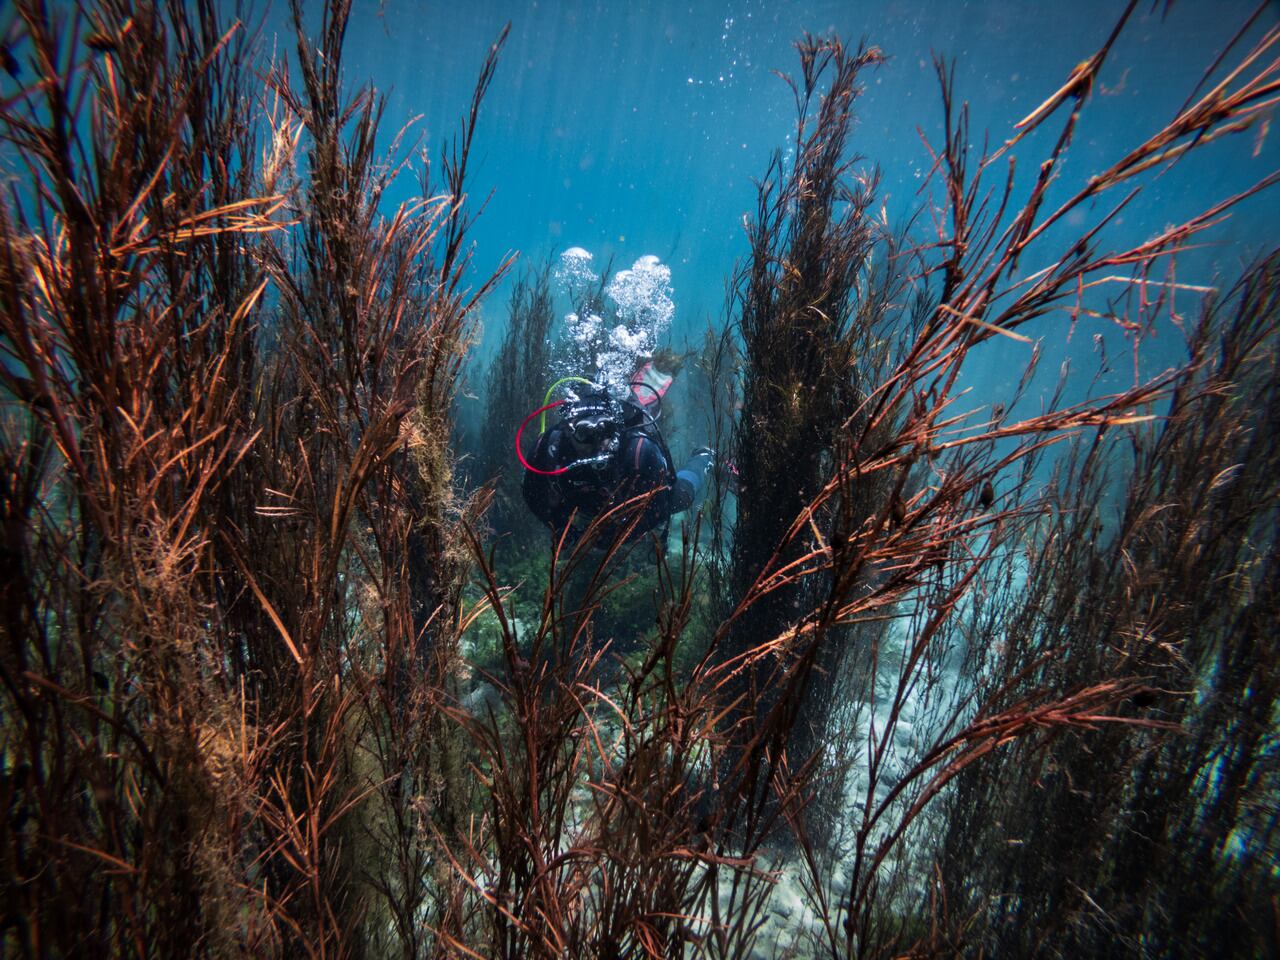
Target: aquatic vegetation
{"points": [[241, 560], [813, 314], [1161, 831], [232, 561], [514, 386]]}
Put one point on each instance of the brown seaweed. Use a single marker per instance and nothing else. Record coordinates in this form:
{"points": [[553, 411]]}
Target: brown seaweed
{"points": [[241, 576]]}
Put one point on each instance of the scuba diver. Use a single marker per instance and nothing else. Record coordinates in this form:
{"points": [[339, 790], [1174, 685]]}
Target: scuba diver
{"points": [[604, 451]]}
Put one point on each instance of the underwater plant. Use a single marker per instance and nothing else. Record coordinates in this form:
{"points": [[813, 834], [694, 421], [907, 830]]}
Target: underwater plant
{"points": [[921, 541], [1161, 831], [241, 567], [513, 387], [232, 562], [813, 313]]}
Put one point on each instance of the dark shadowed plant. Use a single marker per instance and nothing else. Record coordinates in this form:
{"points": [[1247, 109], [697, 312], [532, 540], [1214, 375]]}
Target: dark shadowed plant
{"points": [[917, 559], [234, 555], [813, 314], [516, 380], [232, 573], [1145, 839], [128, 318], [919, 555]]}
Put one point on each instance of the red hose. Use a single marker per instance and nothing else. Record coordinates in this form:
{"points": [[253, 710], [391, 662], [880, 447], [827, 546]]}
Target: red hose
{"points": [[525, 463]]}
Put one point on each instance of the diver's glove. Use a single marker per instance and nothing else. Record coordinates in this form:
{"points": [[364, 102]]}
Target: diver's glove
{"points": [[706, 459], [703, 459], [726, 469]]}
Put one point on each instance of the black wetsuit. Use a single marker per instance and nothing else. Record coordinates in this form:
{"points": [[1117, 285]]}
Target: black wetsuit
{"points": [[640, 464]]}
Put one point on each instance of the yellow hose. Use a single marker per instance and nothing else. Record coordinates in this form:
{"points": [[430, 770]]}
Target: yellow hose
{"points": [[542, 424]]}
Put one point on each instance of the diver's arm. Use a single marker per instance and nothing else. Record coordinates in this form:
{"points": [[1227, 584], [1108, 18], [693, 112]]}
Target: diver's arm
{"points": [[651, 470], [690, 478]]}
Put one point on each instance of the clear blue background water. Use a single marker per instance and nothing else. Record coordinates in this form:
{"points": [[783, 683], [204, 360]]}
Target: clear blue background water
{"points": [[636, 128]]}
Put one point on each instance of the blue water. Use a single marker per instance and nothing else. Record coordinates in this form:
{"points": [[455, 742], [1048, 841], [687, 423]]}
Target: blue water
{"points": [[632, 129]]}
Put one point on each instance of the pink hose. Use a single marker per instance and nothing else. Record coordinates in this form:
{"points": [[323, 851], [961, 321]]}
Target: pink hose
{"points": [[525, 463]]}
